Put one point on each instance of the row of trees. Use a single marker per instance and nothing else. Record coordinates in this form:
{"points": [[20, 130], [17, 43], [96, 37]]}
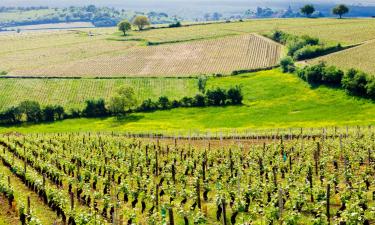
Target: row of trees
{"points": [[339, 10], [123, 102], [353, 81], [140, 21]]}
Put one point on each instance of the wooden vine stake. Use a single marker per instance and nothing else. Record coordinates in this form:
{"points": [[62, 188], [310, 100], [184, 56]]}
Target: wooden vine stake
{"points": [[71, 201], [281, 205], [199, 194], [328, 199], [224, 212], [171, 218], [28, 205]]}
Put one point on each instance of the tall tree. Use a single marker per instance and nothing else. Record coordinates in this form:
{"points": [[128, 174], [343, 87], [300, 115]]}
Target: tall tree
{"points": [[123, 101], [308, 10], [124, 26], [141, 22], [340, 10]]}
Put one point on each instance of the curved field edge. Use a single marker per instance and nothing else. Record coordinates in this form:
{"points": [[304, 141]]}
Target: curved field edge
{"points": [[271, 100]]}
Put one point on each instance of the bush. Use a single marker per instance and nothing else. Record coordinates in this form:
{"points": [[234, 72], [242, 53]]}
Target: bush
{"points": [[312, 51], [216, 97], [370, 88], [32, 111], [95, 108], [147, 106], [332, 75], [163, 102], [199, 100], [235, 96], [177, 24], [287, 64], [355, 82]]}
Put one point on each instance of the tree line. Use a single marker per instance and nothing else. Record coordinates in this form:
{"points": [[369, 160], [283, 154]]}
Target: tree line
{"points": [[123, 102], [355, 82]]}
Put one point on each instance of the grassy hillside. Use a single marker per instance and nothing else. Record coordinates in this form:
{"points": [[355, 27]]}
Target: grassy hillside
{"points": [[272, 99], [72, 93]]}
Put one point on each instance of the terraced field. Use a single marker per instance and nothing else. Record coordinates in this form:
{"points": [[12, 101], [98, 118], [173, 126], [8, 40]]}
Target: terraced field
{"points": [[187, 59], [72, 93]]}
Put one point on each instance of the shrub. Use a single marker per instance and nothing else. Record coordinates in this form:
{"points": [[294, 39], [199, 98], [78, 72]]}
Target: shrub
{"points": [[312, 51], [370, 88], [235, 96], [199, 100], [177, 24], [163, 102], [332, 75], [95, 108], [32, 111], [314, 74], [216, 97], [355, 82], [287, 64], [147, 106]]}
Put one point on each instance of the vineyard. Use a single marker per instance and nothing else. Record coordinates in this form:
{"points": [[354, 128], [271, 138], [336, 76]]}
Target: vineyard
{"points": [[222, 55], [302, 177], [72, 93], [360, 57]]}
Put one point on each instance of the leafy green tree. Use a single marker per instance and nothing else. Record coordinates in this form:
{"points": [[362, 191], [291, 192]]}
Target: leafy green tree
{"points": [[95, 108], [141, 22], [216, 97], [199, 100], [49, 113], [355, 82], [164, 102], [370, 88], [308, 10], [340, 10], [32, 111], [235, 95], [11, 115], [123, 101], [124, 26], [202, 81]]}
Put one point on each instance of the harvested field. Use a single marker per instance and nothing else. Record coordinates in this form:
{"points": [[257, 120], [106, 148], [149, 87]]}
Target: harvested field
{"points": [[214, 56]]}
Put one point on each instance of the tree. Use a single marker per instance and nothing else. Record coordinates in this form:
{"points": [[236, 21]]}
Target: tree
{"points": [[216, 97], [202, 81], [308, 10], [95, 108], [32, 111], [164, 102], [49, 113], [235, 95], [124, 26], [340, 10], [141, 22], [123, 101]]}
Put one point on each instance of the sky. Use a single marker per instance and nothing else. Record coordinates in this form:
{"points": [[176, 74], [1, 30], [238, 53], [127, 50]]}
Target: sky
{"points": [[165, 3]]}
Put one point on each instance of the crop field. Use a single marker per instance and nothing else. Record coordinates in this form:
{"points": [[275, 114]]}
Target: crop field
{"points": [[186, 59], [72, 93], [348, 31], [34, 50], [361, 57], [63, 51], [103, 179]]}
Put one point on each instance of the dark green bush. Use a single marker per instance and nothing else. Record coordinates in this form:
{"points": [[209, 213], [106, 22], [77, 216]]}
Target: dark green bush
{"points": [[287, 64]]}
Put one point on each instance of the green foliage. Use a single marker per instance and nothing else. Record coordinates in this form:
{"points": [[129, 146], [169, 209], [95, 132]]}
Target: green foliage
{"points": [[123, 101], [202, 81], [3, 73], [355, 82], [124, 26], [95, 108], [308, 10], [287, 64], [32, 111], [141, 22], [340, 10]]}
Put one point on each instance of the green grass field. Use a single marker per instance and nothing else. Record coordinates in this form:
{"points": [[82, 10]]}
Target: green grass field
{"points": [[272, 100], [72, 93]]}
